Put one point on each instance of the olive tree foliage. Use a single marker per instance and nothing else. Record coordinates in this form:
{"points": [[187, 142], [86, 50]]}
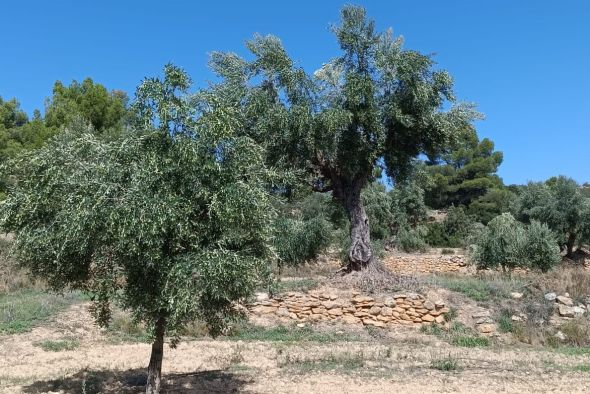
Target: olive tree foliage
{"points": [[377, 203], [560, 204], [507, 243], [170, 226], [302, 230], [374, 103], [407, 203], [541, 248], [501, 244]]}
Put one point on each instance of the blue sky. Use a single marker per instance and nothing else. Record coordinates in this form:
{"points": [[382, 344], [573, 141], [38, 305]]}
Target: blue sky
{"points": [[525, 63]]}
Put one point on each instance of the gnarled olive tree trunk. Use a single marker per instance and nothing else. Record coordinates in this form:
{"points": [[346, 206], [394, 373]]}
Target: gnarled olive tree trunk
{"points": [[154, 378], [570, 244], [360, 254]]}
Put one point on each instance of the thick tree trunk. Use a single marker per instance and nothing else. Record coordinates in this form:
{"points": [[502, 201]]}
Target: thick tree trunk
{"points": [[360, 255], [570, 244], [155, 368]]}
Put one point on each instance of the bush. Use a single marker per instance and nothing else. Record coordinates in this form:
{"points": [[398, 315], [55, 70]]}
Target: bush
{"points": [[453, 232], [541, 248], [458, 223], [407, 203], [436, 236], [411, 239], [501, 244], [298, 241], [378, 207]]}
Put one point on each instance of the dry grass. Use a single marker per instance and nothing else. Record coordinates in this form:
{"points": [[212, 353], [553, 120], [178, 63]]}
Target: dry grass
{"points": [[572, 280], [12, 277]]}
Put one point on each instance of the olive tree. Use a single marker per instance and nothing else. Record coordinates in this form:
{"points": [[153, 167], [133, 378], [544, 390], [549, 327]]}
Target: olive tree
{"points": [[501, 243], [560, 204], [171, 221], [375, 104]]}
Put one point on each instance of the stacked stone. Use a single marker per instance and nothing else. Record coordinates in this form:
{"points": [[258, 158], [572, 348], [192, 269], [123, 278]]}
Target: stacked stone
{"points": [[407, 309], [426, 264]]}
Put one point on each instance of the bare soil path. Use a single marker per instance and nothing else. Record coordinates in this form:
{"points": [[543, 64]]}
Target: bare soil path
{"points": [[399, 360]]}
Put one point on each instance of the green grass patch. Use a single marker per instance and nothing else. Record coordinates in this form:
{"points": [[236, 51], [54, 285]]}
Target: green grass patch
{"points": [[432, 330], [505, 323], [23, 310], [290, 334], [573, 350], [457, 334], [446, 364], [59, 345], [470, 341], [302, 285], [479, 289], [582, 368]]}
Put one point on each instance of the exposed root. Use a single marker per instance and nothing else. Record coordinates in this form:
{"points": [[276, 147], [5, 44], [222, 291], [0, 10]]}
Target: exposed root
{"points": [[375, 277]]}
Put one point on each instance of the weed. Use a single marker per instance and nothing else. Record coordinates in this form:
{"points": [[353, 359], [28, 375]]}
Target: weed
{"points": [[237, 355], [432, 330], [59, 345], [582, 368], [447, 251], [577, 332], [505, 323], [471, 341], [447, 363]]}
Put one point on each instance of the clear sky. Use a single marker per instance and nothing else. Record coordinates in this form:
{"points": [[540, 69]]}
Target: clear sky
{"points": [[525, 63]]}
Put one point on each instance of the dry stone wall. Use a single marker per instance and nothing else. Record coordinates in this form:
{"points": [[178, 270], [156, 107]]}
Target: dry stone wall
{"points": [[426, 263], [353, 308]]}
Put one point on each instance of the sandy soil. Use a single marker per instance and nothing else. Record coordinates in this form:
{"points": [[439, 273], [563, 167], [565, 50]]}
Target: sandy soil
{"points": [[395, 361]]}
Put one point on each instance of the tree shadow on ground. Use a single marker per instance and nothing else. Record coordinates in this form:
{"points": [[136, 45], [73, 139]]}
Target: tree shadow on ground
{"points": [[134, 380]]}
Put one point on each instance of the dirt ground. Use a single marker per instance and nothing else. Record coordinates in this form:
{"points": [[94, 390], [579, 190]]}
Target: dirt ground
{"points": [[397, 360]]}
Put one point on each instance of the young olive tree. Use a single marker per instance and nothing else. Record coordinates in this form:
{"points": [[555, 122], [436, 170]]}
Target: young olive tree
{"points": [[501, 243], [375, 104], [170, 221], [560, 204]]}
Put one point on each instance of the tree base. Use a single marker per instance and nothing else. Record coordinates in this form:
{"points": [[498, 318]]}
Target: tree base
{"points": [[374, 277]]}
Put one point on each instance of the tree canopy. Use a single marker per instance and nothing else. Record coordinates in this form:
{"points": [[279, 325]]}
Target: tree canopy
{"points": [[466, 174], [376, 103], [171, 226], [560, 204], [91, 101]]}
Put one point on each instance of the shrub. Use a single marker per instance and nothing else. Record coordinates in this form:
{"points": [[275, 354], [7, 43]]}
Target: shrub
{"points": [[407, 203], [378, 207], [437, 236], [297, 241], [541, 248], [458, 223], [453, 232], [411, 239], [501, 244]]}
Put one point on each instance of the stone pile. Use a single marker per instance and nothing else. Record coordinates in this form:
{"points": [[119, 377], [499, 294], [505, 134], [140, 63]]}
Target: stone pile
{"points": [[483, 322], [565, 306], [426, 263], [354, 308]]}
